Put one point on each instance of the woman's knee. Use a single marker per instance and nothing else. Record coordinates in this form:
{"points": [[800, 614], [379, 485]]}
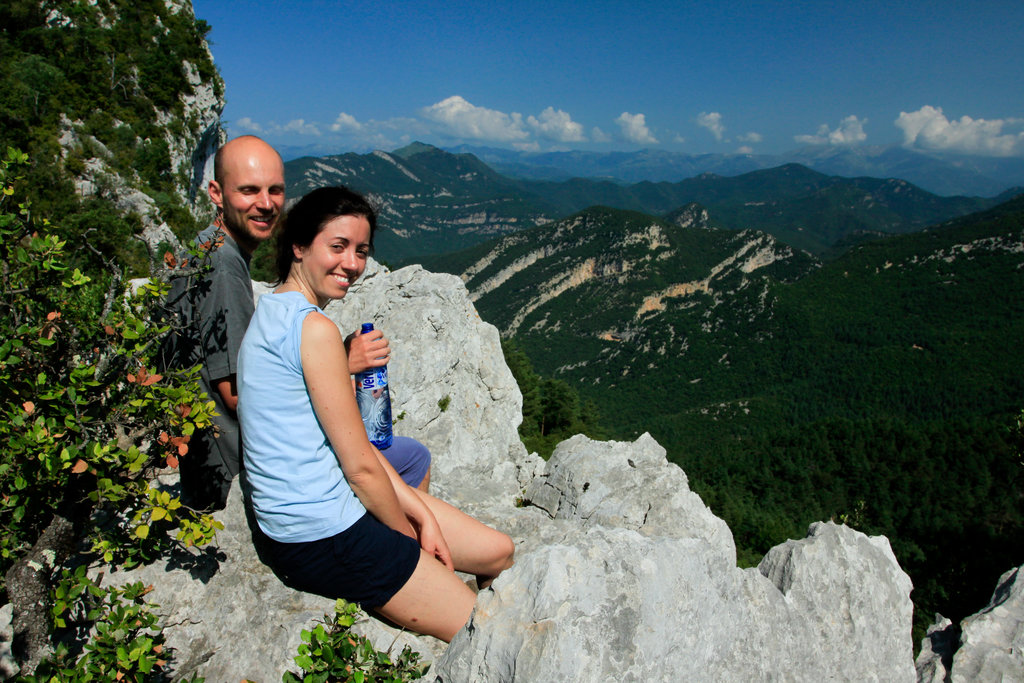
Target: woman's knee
{"points": [[504, 556]]}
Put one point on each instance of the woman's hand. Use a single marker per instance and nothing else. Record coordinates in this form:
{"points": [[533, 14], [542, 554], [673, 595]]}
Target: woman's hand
{"points": [[370, 350], [432, 541]]}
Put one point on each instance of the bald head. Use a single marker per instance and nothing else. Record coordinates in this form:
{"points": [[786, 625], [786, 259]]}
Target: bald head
{"points": [[248, 188]]}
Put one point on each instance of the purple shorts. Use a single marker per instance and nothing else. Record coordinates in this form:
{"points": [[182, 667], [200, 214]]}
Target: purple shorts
{"points": [[410, 458]]}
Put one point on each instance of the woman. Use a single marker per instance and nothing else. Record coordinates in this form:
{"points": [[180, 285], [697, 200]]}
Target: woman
{"points": [[341, 522]]}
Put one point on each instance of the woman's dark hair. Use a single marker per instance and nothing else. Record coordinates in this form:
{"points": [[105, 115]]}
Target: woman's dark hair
{"points": [[310, 214]]}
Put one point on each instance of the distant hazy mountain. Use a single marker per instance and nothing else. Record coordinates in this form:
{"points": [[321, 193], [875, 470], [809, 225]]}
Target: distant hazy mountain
{"points": [[437, 202], [943, 174]]}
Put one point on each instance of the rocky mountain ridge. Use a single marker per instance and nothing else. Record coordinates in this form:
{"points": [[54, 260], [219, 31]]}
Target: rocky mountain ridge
{"points": [[620, 261], [127, 109], [433, 202]]}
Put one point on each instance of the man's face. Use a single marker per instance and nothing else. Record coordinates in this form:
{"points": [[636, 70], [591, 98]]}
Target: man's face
{"points": [[251, 194]]}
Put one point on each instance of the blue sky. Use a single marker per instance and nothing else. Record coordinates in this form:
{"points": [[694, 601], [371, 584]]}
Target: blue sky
{"points": [[694, 77]]}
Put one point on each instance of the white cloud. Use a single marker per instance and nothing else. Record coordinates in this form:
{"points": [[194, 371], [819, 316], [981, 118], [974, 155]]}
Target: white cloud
{"points": [[634, 128], [245, 123], [713, 122], [849, 131], [557, 125], [929, 128], [467, 120], [750, 137], [745, 149], [598, 135], [679, 139], [345, 122], [301, 127]]}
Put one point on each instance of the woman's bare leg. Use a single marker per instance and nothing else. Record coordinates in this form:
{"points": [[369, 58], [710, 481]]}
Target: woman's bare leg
{"points": [[476, 548], [433, 601]]}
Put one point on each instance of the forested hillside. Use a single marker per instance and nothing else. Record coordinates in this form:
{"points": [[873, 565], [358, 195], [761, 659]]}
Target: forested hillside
{"points": [[878, 389], [109, 99]]}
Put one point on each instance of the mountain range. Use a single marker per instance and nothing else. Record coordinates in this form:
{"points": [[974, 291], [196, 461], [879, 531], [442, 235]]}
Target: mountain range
{"points": [[432, 201], [942, 173]]}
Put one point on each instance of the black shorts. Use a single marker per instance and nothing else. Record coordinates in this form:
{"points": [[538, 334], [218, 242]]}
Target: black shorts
{"points": [[367, 563]]}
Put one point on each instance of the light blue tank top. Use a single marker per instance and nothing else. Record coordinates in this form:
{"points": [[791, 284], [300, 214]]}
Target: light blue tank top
{"points": [[299, 492]]}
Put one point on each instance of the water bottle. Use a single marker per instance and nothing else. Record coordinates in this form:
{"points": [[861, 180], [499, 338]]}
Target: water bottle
{"points": [[374, 401]]}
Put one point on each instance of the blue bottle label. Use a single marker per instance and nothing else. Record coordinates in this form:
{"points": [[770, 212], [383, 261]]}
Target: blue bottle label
{"points": [[375, 405]]}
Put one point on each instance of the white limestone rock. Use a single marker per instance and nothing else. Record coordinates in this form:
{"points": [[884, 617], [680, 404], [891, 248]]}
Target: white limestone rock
{"points": [[590, 602], [935, 658], [8, 667], [992, 641], [629, 486]]}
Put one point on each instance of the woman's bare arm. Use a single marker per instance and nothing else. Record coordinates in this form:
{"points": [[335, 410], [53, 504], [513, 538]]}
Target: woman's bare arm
{"points": [[325, 369]]}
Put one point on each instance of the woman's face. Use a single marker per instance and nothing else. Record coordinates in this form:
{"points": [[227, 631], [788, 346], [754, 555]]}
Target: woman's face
{"points": [[336, 257]]}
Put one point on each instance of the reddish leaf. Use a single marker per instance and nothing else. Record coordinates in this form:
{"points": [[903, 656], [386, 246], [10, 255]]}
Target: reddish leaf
{"points": [[29, 407], [80, 466], [172, 461], [152, 379]]}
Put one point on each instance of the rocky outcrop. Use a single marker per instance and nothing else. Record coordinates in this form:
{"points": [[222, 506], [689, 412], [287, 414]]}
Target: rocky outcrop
{"points": [[990, 646], [632, 578]]}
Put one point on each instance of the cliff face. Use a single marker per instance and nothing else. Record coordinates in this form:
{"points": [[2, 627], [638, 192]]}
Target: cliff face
{"points": [[622, 573], [190, 127], [125, 102]]}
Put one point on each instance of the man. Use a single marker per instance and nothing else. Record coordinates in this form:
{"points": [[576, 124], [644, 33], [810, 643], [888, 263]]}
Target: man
{"points": [[215, 307]]}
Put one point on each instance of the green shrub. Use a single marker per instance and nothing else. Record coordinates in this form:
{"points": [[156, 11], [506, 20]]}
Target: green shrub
{"points": [[335, 653], [128, 643], [85, 416]]}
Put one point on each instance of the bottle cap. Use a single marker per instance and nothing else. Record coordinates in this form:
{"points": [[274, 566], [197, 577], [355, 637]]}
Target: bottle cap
{"points": [[366, 328]]}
